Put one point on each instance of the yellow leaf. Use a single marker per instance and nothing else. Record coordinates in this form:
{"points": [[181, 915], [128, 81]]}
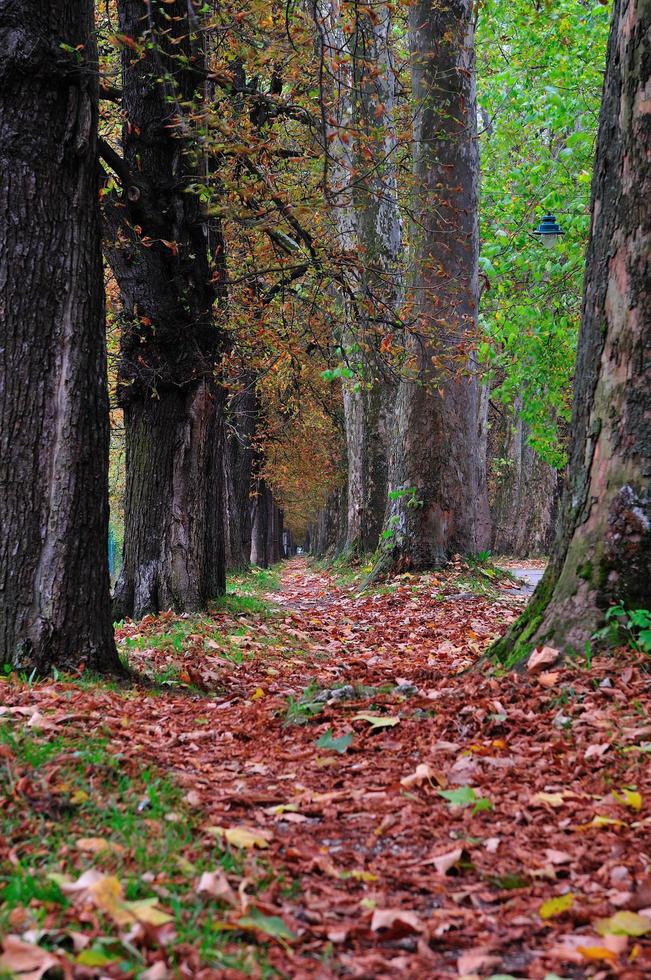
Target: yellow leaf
{"points": [[553, 799], [360, 875], [145, 910], [629, 798], [556, 906], [259, 693], [79, 797], [245, 837], [596, 953], [106, 894], [624, 924], [600, 821]]}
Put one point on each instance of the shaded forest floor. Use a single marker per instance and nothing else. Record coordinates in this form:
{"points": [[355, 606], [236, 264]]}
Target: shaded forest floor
{"points": [[312, 784]]}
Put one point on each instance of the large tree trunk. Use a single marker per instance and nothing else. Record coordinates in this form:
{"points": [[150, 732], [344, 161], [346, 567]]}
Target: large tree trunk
{"points": [[603, 553], [438, 503], [368, 398], [242, 415], [524, 489], [54, 582], [158, 249], [172, 535]]}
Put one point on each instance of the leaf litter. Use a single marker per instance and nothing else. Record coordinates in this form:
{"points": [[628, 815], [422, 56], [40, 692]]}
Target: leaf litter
{"points": [[352, 799]]}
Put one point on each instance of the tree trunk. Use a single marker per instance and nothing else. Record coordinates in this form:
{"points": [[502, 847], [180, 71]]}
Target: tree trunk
{"points": [[157, 246], [438, 503], [368, 398], [260, 521], [524, 490], [54, 436], [329, 537], [171, 553], [238, 465], [603, 553]]}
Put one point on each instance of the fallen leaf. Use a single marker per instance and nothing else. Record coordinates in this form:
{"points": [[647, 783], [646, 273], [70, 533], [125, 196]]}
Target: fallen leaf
{"points": [[556, 906], [464, 796], [98, 845], [397, 921], [596, 953], [552, 799], [215, 884], [475, 961], [630, 798], [24, 961], [548, 678], [596, 750], [340, 744], [156, 972], [557, 857], [444, 862], [624, 924], [271, 925], [244, 837], [423, 774], [543, 657], [377, 721]]}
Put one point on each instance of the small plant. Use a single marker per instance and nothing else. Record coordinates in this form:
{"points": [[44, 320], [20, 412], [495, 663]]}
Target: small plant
{"points": [[630, 626]]}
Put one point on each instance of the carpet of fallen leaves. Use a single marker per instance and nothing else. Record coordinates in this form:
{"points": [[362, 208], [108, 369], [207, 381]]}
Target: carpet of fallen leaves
{"points": [[430, 820]]}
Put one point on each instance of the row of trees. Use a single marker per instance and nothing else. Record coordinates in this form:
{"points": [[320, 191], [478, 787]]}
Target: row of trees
{"points": [[282, 205]]}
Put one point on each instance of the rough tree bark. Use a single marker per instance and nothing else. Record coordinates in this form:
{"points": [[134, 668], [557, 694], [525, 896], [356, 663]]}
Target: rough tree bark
{"points": [[54, 583], [329, 534], [261, 508], [158, 247], [438, 502], [241, 421], [603, 552], [523, 490], [368, 398]]}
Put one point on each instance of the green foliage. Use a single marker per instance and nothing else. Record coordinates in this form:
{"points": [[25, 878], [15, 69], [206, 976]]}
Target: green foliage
{"points": [[340, 744], [540, 74], [630, 626]]}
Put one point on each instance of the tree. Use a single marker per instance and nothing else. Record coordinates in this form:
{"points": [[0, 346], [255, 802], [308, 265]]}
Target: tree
{"points": [[603, 552], [437, 500], [54, 584], [368, 395], [239, 457], [157, 242]]}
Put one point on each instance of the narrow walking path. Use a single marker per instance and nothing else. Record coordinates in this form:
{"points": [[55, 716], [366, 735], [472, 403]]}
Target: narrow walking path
{"points": [[392, 813]]}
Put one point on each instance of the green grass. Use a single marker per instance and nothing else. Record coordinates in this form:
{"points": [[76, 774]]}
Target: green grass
{"points": [[255, 582], [78, 786]]}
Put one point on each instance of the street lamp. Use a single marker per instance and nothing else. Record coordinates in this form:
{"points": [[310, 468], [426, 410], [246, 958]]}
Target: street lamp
{"points": [[548, 231]]}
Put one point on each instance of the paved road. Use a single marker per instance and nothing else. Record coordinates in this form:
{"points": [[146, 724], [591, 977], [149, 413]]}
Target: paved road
{"points": [[529, 576]]}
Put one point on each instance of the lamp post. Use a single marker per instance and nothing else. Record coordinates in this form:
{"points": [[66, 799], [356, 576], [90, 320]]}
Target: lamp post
{"points": [[548, 231]]}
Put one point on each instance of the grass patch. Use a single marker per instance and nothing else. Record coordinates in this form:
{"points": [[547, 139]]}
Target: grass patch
{"points": [[255, 581], [60, 791]]}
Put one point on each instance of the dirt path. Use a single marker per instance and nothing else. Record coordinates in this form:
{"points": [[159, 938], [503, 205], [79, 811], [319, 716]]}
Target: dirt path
{"points": [[413, 818]]}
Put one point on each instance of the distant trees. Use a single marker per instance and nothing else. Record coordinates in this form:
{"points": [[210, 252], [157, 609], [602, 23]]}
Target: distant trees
{"points": [[603, 552], [54, 584]]}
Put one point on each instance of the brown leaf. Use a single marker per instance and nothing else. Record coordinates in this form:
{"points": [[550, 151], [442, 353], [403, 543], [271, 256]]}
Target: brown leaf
{"points": [[475, 961], [423, 774], [542, 657], [24, 961], [444, 862], [397, 921], [215, 883]]}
